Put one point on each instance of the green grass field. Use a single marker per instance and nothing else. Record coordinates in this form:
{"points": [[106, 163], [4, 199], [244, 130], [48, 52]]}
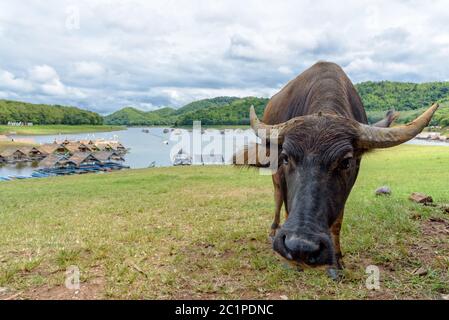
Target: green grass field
{"points": [[57, 129], [202, 232]]}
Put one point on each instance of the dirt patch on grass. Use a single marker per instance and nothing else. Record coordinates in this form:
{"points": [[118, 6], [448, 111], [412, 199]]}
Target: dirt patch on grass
{"points": [[91, 289], [437, 228], [425, 263], [434, 241], [428, 258], [433, 249]]}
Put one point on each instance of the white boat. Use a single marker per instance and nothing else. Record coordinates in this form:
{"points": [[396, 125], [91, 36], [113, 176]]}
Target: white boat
{"points": [[182, 159]]}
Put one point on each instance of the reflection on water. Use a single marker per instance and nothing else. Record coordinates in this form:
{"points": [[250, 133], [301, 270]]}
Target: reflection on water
{"points": [[21, 169], [156, 146]]}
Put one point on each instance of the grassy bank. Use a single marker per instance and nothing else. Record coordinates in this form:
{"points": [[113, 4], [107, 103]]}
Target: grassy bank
{"points": [[201, 232], [57, 129]]}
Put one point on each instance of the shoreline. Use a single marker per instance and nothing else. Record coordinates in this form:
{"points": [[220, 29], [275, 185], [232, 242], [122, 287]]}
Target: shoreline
{"points": [[42, 130]]}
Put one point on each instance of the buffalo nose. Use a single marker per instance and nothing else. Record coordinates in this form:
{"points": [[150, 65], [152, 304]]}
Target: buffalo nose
{"points": [[308, 251]]}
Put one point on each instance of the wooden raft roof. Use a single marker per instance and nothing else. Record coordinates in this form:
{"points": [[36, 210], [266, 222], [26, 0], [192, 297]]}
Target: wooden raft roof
{"points": [[79, 157]]}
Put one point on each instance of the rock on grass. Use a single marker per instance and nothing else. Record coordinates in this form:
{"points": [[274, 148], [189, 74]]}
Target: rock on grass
{"points": [[383, 191], [420, 198]]}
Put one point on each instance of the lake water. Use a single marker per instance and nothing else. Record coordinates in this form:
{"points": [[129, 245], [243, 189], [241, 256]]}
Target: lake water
{"points": [[148, 147], [145, 148]]}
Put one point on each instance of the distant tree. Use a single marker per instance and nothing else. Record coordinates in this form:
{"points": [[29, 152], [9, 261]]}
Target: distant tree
{"points": [[45, 114]]}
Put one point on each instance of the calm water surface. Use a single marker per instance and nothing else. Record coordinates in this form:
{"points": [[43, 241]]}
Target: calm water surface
{"points": [[145, 148]]}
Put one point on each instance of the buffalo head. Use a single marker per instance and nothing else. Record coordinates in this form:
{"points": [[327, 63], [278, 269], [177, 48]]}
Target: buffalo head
{"points": [[318, 159]]}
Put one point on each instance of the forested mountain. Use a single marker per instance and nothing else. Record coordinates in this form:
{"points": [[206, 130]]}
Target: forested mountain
{"points": [[401, 95], [233, 113], [17, 111], [134, 117], [205, 103], [164, 116]]}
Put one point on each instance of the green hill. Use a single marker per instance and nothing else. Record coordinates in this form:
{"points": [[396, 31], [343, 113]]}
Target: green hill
{"points": [[39, 114], [233, 113], [205, 103], [134, 117], [163, 116], [377, 97], [402, 96], [411, 99]]}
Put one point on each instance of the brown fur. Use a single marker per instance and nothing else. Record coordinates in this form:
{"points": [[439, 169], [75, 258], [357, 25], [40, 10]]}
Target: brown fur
{"points": [[323, 87]]}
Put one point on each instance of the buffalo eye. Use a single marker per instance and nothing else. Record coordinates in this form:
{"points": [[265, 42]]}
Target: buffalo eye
{"points": [[284, 159], [345, 164]]}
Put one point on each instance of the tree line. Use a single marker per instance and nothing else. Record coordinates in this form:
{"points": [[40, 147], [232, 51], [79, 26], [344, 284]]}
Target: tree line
{"points": [[402, 96], [15, 111]]}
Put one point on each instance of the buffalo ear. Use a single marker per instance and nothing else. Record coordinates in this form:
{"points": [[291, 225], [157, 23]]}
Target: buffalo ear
{"points": [[388, 120], [253, 155], [370, 137]]}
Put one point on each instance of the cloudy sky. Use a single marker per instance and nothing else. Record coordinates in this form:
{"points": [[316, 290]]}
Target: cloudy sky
{"points": [[103, 55]]}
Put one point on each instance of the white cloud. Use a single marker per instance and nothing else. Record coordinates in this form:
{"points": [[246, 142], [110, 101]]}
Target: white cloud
{"points": [[41, 80], [157, 53], [43, 74], [11, 82], [88, 69], [285, 70]]}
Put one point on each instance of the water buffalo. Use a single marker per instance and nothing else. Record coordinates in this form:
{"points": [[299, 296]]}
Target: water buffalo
{"points": [[322, 133]]}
